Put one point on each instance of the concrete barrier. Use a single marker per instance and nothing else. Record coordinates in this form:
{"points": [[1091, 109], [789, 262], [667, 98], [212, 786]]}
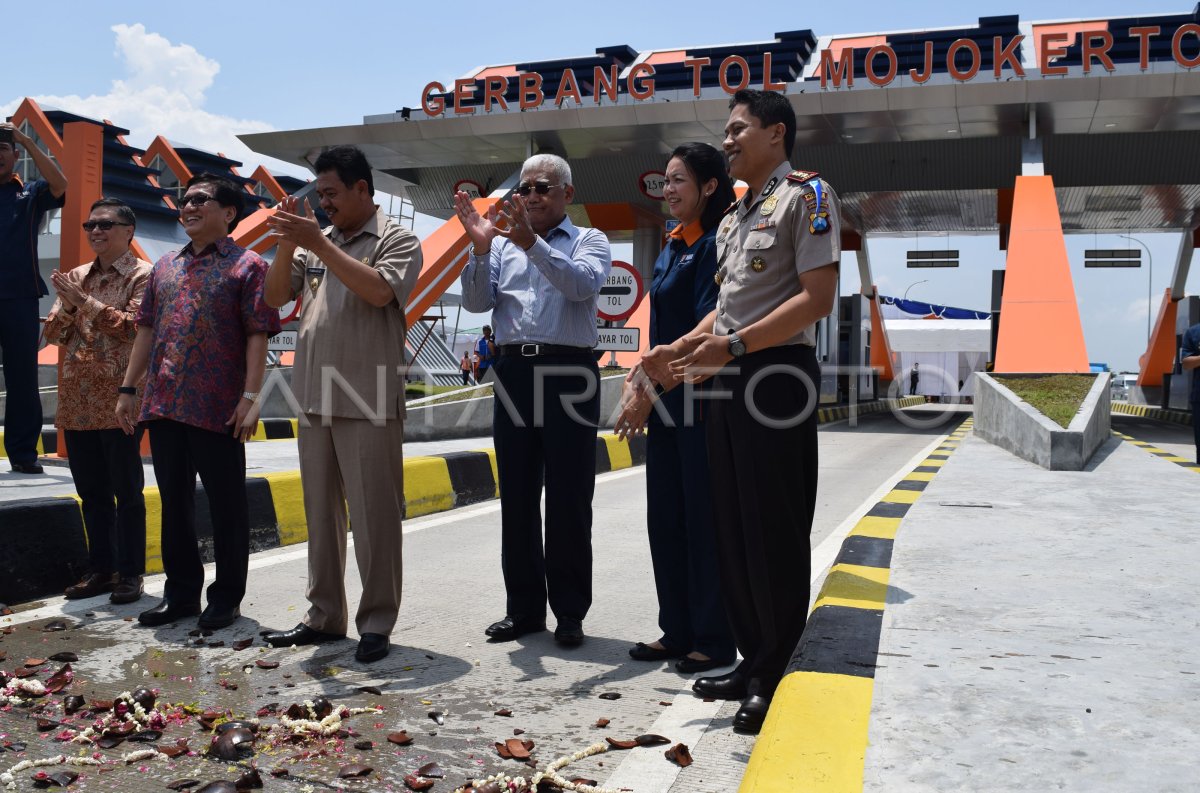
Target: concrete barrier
{"points": [[1005, 420]]}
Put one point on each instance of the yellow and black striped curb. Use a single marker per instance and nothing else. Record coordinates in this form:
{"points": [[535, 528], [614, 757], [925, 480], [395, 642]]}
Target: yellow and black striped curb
{"points": [[826, 415], [48, 548], [815, 735], [1171, 416], [1171, 457]]}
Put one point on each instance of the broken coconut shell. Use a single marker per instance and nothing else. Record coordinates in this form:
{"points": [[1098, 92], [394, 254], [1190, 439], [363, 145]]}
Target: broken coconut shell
{"points": [[144, 697], [251, 780], [401, 738], [431, 771], [218, 787], [233, 744], [322, 707], [60, 679], [679, 755], [414, 782], [355, 771], [61, 779]]}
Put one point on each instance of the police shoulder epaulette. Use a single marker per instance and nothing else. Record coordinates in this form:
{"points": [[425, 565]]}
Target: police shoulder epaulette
{"points": [[731, 207], [802, 176]]}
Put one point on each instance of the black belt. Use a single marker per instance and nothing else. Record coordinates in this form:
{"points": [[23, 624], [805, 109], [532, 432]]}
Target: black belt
{"points": [[532, 349]]}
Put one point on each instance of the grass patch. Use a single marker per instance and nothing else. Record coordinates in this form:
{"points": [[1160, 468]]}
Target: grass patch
{"points": [[422, 390], [1057, 396]]}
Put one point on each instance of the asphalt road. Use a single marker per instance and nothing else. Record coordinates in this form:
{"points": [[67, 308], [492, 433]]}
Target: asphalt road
{"points": [[441, 662]]}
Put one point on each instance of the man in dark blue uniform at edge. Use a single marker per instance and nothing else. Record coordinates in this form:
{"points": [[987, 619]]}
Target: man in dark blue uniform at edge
{"points": [[22, 207], [1189, 358]]}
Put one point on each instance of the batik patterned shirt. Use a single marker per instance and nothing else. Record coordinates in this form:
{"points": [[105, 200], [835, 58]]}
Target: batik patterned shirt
{"points": [[96, 339], [202, 308]]}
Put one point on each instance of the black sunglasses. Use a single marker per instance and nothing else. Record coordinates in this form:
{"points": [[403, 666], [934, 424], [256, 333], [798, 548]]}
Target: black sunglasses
{"points": [[541, 188], [103, 225], [195, 199]]}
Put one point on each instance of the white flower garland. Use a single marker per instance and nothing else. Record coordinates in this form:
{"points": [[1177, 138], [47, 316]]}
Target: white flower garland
{"points": [[518, 784], [326, 726], [8, 778], [18, 689]]}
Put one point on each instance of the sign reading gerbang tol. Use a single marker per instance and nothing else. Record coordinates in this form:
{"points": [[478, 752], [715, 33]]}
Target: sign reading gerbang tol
{"points": [[964, 60]]}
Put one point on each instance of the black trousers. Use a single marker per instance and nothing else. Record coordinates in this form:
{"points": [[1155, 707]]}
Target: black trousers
{"points": [[764, 485], [180, 452], [19, 331], [545, 432], [107, 468], [683, 542]]}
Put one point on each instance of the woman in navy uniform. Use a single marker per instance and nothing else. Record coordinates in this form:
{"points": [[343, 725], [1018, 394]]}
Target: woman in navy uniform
{"points": [[679, 514], [778, 251]]}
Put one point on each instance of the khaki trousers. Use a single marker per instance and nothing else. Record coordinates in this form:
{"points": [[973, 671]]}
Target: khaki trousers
{"points": [[353, 463]]}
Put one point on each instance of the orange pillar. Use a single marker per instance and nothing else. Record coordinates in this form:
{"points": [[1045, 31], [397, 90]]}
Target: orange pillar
{"points": [[1040, 330], [1159, 357], [82, 162]]}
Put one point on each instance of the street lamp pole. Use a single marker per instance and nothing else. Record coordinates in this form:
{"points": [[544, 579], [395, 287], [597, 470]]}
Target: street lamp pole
{"points": [[1149, 279], [910, 286]]}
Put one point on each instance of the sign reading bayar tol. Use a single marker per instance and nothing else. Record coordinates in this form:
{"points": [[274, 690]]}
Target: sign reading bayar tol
{"points": [[963, 60]]}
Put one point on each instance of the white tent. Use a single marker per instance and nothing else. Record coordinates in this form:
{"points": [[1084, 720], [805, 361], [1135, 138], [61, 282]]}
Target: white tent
{"points": [[946, 351]]}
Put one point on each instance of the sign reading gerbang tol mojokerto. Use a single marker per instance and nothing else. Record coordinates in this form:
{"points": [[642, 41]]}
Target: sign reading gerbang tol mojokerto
{"points": [[965, 59]]}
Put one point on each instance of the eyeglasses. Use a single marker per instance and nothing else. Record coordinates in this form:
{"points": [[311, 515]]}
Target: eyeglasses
{"points": [[103, 225], [541, 188], [195, 199]]}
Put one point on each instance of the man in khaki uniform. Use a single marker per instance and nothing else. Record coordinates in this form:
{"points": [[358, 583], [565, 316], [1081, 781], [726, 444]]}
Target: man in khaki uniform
{"points": [[777, 256], [355, 278]]}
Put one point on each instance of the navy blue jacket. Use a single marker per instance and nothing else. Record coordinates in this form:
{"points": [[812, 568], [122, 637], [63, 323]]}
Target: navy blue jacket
{"points": [[21, 211], [683, 291]]}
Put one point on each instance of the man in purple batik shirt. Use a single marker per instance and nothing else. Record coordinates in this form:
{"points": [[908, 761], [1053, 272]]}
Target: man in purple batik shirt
{"points": [[202, 343]]}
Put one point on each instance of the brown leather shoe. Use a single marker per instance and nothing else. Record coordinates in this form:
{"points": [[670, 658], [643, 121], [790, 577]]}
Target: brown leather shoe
{"points": [[91, 585], [127, 589]]}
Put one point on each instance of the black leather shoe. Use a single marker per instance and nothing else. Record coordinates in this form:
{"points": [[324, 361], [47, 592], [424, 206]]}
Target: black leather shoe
{"points": [[644, 652], [730, 686], [127, 589], [508, 629], [371, 647], [27, 468], [91, 585], [300, 635], [692, 666], [167, 611], [751, 714], [215, 617], [569, 634]]}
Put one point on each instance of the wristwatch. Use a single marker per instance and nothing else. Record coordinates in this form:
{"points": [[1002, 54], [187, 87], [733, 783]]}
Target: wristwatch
{"points": [[250, 395], [737, 348]]}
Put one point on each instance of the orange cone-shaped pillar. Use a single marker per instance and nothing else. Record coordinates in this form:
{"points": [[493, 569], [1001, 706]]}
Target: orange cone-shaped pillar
{"points": [[1040, 330]]}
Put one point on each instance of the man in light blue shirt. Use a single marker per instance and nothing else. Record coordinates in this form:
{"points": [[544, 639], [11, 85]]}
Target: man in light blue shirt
{"points": [[540, 275]]}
